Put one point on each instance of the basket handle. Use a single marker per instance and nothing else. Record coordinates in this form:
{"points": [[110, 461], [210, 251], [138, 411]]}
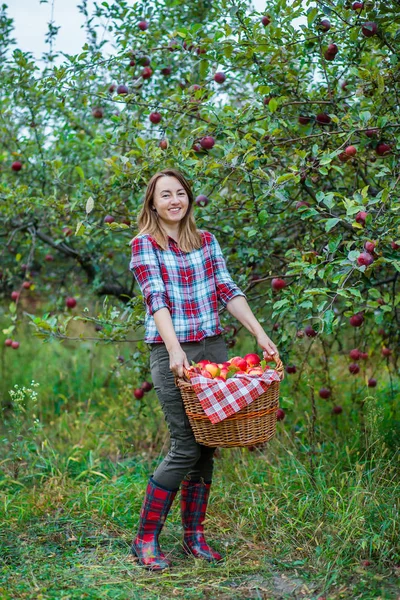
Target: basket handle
{"points": [[279, 366]]}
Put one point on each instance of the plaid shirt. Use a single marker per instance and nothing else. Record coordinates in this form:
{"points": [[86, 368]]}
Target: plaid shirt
{"points": [[189, 284]]}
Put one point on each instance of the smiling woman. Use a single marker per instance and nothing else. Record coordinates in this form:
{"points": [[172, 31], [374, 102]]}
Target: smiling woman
{"points": [[168, 211], [183, 276]]}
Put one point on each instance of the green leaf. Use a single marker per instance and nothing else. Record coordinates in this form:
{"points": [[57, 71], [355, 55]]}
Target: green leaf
{"points": [[203, 68], [329, 315], [89, 205], [80, 228], [273, 105], [80, 172], [285, 177], [331, 223], [280, 303]]}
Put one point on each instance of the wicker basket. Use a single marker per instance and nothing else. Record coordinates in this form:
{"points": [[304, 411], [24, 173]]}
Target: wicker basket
{"points": [[254, 424]]}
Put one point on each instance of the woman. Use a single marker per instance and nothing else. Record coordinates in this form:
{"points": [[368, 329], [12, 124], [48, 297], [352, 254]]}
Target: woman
{"points": [[182, 275]]}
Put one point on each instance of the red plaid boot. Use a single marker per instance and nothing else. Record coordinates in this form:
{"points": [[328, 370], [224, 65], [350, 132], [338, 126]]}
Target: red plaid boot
{"points": [[194, 500], [154, 511]]}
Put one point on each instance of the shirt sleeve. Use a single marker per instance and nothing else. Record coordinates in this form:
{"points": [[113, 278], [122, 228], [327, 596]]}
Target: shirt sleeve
{"points": [[226, 287], [146, 269]]}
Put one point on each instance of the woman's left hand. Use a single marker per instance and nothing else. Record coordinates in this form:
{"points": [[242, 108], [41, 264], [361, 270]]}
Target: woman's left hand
{"points": [[270, 350]]}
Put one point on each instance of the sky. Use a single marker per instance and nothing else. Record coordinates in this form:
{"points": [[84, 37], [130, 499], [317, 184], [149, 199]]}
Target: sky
{"points": [[31, 19]]}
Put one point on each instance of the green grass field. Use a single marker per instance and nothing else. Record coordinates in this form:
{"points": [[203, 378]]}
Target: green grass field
{"points": [[295, 519]]}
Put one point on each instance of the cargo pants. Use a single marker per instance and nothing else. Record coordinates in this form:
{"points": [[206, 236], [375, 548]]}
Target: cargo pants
{"points": [[186, 458]]}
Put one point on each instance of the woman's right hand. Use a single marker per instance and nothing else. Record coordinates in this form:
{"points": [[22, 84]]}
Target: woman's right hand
{"points": [[178, 361]]}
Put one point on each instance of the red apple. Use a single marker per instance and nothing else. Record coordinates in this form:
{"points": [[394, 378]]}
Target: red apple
{"points": [[354, 368], [166, 71], [336, 410], [361, 217], [206, 374], [112, 88], [14, 344], [351, 151], [213, 369], [155, 117], [15, 296], [49, 257], [357, 5], [266, 20], [291, 369], [122, 90], [27, 284], [8, 342], [17, 165], [70, 302], [207, 142], [325, 393], [365, 258], [382, 149], [369, 29], [146, 386], [203, 362], [219, 77], [67, 231], [386, 351], [147, 73], [357, 320], [138, 393], [223, 374], [371, 132], [323, 119], [267, 100], [394, 245], [332, 49], [278, 284], [280, 414], [370, 246], [163, 144], [201, 200], [108, 219], [240, 362], [219, 378], [309, 331], [324, 25], [354, 354], [144, 61], [301, 203], [143, 25], [364, 355], [98, 113], [253, 360], [304, 120], [255, 371], [197, 148], [372, 382]]}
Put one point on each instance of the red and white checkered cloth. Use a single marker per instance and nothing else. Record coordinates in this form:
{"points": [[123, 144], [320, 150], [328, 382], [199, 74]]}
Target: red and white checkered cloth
{"points": [[221, 399]]}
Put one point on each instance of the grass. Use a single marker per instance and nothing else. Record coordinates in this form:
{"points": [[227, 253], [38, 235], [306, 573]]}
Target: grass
{"points": [[295, 519]]}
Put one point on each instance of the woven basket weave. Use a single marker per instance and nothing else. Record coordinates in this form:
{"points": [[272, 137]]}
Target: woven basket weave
{"points": [[254, 424]]}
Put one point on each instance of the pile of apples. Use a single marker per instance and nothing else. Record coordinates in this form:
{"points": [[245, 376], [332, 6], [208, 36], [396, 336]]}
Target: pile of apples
{"points": [[251, 364]]}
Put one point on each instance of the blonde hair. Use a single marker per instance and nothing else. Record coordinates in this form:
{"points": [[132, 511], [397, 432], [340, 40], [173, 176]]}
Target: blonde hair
{"points": [[189, 237]]}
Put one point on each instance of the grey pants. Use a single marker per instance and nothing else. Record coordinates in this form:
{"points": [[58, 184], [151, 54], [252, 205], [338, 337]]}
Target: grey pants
{"points": [[186, 458]]}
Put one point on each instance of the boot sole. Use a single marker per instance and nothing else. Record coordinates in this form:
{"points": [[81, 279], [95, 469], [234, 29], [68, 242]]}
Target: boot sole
{"points": [[148, 567], [211, 559]]}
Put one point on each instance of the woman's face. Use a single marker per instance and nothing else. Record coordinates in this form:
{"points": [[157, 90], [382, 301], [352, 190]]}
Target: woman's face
{"points": [[170, 200]]}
